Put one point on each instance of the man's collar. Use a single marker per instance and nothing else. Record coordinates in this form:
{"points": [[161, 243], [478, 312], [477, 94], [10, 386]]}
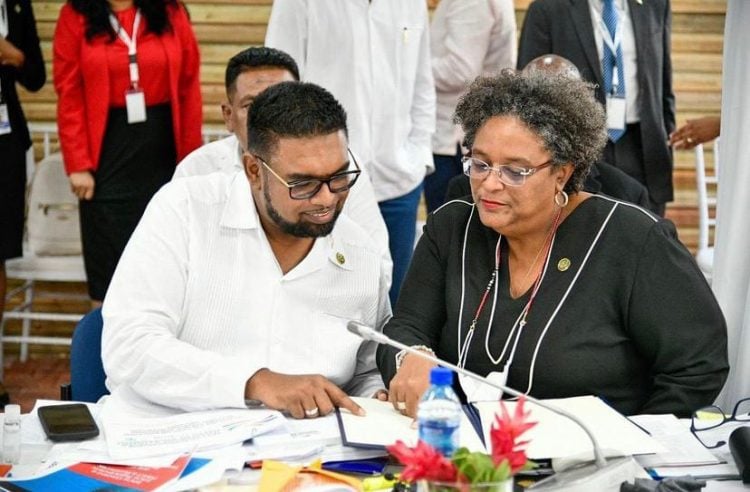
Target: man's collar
{"points": [[337, 250], [237, 152], [239, 210]]}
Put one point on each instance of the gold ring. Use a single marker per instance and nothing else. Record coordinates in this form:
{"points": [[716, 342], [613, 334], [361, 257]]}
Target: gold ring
{"points": [[312, 412]]}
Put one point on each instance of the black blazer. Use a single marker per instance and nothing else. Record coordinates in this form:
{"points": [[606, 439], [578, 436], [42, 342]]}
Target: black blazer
{"points": [[564, 27], [22, 33]]}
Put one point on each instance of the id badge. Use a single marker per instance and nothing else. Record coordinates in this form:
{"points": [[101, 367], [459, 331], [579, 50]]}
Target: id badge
{"points": [[4, 120], [476, 391], [135, 102], [615, 112]]}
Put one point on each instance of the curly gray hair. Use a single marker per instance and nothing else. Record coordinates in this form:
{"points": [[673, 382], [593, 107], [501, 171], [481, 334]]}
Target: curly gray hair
{"points": [[561, 111]]}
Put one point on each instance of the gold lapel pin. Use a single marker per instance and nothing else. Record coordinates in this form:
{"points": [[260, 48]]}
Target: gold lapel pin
{"points": [[563, 264], [18, 8], [340, 258]]}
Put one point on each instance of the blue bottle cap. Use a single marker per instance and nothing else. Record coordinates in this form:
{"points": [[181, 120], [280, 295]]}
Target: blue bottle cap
{"points": [[441, 376]]}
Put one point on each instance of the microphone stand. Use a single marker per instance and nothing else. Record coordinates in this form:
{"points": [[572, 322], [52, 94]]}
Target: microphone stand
{"points": [[614, 470]]}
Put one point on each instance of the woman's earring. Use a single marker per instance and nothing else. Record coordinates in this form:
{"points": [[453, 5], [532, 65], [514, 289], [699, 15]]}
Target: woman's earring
{"points": [[561, 199]]}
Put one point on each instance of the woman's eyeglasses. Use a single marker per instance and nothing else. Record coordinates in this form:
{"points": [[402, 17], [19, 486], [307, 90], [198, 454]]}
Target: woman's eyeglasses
{"points": [[510, 174], [712, 417]]}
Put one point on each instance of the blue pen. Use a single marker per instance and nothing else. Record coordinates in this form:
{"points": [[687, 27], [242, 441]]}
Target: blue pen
{"points": [[364, 467]]}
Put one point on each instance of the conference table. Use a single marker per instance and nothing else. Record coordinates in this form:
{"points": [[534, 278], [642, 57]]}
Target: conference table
{"points": [[36, 451]]}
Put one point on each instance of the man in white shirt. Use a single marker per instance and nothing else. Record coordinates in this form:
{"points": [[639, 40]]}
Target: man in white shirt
{"points": [[248, 73], [239, 287], [374, 56], [468, 38]]}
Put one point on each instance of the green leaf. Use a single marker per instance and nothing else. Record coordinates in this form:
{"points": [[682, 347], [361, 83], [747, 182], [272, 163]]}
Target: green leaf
{"points": [[478, 467]]}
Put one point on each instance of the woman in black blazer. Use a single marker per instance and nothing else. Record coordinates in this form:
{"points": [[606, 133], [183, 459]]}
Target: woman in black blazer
{"points": [[20, 62]]}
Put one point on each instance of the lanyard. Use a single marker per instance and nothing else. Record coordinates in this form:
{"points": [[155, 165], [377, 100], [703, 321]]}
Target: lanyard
{"points": [[130, 43], [521, 321], [463, 352], [3, 19]]}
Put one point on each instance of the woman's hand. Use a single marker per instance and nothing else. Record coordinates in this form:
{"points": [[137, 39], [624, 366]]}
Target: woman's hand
{"points": [[10, 55], [82, 185], [409, 384], [695, 132]]}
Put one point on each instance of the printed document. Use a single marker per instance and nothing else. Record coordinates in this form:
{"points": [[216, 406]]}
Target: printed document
{"points": [[129, 437]]}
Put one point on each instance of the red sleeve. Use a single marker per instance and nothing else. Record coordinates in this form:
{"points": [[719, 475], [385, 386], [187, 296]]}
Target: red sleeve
{"points": [[71, 104], [189, 87]]}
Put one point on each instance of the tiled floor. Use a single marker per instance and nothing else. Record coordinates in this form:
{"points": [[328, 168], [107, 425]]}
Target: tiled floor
{"points": [[34, 379]]}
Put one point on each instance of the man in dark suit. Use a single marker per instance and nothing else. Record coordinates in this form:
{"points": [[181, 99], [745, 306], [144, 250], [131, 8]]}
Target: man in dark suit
{"points": [[623, 46]]}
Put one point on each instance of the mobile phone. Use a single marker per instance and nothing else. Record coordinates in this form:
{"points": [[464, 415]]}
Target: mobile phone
{"points": [[71, 422]]}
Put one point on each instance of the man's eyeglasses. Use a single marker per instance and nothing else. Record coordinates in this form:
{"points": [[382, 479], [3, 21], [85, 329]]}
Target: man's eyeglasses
{"points": [[712, 417], [308, 188], [510, 174]]}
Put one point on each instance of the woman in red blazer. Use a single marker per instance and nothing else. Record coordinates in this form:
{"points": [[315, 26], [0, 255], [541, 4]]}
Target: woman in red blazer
{"points": [[129, 109]]}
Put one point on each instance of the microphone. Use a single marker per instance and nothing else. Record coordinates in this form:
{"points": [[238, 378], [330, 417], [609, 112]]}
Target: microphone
{"points": [[601, 477]]}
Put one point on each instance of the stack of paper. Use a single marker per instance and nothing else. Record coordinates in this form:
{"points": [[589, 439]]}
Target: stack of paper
{"points": [[147, 450], [556, 436], [685, 455], [682, 448]]}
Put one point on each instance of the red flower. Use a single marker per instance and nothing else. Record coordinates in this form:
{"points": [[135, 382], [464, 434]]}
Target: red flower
{"points": [[504, 436], [423, 462]]}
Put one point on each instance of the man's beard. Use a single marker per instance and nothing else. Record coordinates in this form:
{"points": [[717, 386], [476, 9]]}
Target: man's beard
{"points": [[299, 229]]}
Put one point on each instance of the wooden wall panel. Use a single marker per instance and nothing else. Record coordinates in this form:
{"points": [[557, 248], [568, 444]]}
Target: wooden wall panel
{"points": [[224, 27]]}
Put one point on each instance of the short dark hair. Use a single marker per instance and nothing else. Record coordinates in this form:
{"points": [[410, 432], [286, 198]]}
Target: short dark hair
{"points": [[292, 110], [561, 111], [257, 56]]}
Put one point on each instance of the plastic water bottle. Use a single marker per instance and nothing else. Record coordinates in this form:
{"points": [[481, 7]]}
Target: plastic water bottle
{"points": [[12, 434], [439, 413]]}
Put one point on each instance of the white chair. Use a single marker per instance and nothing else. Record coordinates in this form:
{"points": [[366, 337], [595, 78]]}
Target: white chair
{"points": [[707, 191], [52, 253]]}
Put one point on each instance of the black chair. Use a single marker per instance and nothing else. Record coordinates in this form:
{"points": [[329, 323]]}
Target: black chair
{"points": [[86, 369]]}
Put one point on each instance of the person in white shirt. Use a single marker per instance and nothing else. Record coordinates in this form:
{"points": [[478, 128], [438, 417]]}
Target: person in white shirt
{"points": [[239, 287], [468, 38], [248, 73], [374, 56]]}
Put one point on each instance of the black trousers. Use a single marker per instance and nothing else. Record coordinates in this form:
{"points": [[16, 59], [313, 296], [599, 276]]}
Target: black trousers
{"points": [[136, 161], [627, 155], [12, 195]]}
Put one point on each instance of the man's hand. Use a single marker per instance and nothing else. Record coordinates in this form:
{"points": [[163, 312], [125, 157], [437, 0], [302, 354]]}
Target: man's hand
{"points": [[696, 132], [10, 55], [409, 384], [82, 185], [302, 396]]}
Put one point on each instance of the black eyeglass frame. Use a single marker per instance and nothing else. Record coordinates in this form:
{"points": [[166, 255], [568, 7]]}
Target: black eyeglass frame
{"points": [[306, 196], [724, 420]]}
